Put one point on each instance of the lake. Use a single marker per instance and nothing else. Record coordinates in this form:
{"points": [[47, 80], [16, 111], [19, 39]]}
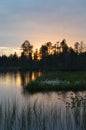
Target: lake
{"points": [[21, 110]]}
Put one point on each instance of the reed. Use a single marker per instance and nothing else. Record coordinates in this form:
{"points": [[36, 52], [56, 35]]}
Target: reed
{"points": [[39, 116]]}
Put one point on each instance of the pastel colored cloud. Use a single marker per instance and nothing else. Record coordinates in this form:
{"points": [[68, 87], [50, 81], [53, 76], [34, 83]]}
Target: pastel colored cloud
{"points": [[40, 21]]}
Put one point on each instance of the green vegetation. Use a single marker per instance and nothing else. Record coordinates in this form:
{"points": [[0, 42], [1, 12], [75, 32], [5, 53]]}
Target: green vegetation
{"points": [[59, 81]]}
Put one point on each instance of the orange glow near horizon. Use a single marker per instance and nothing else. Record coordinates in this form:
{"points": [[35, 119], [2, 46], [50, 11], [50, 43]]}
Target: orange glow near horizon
{"points": [[37, 43], [41, 21]]}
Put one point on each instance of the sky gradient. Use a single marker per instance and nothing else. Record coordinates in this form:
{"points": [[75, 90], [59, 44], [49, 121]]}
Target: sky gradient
{"points": [[40, 21]]}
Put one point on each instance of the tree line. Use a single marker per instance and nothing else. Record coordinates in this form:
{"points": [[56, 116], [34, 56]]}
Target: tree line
{"points": [[50, 56]]}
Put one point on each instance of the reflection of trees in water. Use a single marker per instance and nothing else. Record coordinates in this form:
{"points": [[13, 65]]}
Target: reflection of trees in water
{"points": [[10, 77], [27, 76], [58, 111], [18, 78]]}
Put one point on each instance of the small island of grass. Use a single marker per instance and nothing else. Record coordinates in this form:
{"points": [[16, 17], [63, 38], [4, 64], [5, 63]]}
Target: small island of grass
{"points": [[59, 81]]}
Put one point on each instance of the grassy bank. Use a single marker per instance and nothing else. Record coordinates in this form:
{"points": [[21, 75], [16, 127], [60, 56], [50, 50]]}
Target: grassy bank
{"points": [[59, 81]]}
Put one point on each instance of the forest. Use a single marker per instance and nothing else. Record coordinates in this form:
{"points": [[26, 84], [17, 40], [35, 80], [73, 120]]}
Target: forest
{"points": [[58, 56]]}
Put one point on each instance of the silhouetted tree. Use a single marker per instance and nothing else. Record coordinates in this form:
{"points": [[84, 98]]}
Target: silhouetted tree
{"points": [[27, 48], [26, 55], [81, 47], [76, 47], [49, 47], [64, 46], [36, 55], [50, 56], [43, 51], [57, 48]]}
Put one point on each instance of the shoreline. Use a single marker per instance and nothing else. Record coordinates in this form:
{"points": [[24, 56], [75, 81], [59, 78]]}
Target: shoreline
{"points": [[60, 81]]}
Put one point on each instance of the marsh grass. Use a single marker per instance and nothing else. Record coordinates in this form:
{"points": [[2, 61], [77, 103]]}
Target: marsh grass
{"points": [[56, 81], [41, 116]]}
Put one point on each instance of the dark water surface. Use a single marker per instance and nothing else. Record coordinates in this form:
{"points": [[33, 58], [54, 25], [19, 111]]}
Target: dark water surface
{"points": [[20, 110]]}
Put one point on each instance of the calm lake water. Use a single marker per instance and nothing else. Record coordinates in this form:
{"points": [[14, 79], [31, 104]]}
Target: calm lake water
{"points": [[20, 110]]}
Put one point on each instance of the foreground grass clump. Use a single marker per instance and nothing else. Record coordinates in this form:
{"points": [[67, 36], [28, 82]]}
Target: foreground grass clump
{"points": [[59, 81]]}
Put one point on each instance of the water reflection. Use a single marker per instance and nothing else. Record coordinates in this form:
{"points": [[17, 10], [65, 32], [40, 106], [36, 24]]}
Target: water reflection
{"points": [[18, 78], [26, 77], [45, 111], [39, 111], [12, 83]]}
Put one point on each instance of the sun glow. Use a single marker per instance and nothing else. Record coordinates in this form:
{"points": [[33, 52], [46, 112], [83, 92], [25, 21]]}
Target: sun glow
{"points": [[9, 50]]}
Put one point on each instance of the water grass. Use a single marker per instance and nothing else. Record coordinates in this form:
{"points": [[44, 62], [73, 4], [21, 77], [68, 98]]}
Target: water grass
{"points": [[42, 116], [59, 81]]}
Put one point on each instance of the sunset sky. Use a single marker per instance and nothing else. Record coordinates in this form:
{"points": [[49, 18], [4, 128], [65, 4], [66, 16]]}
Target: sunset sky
{"points": [[40, 21]]}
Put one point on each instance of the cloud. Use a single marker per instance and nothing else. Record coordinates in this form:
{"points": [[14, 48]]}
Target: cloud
{"points": [[41, 20], [9, 50]]}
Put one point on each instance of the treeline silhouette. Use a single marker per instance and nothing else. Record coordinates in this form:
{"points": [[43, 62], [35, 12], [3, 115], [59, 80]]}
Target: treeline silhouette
{"points": [[50, 56]]}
